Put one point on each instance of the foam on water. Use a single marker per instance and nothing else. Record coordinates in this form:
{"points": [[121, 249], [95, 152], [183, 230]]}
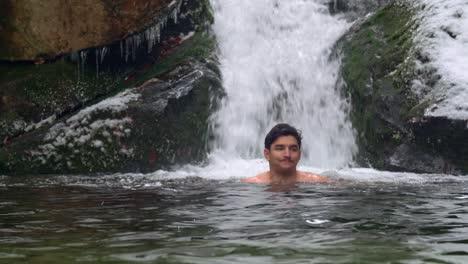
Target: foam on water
{"points": [[231, 172]]}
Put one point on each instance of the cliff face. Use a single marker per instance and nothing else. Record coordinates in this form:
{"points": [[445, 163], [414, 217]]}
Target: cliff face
{"points": [[382, 62], [138, 104], [33, 30]]}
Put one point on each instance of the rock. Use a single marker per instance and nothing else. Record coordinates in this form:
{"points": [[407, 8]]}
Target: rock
{"points": [[379, 59], [410, 156], [445, 137], [34, 30], [91, 113], [32, 95], [153, 126]]}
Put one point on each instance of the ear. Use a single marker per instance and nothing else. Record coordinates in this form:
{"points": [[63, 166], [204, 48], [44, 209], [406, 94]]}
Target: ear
{"points": [[266, 154]]}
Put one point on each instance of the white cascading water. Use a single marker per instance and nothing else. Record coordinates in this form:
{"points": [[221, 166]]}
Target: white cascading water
{"points": [[276, 67]]}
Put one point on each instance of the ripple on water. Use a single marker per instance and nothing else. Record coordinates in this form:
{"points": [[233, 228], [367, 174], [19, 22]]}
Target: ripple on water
{"points": [[4, 255], [124, 245], [19, 213], [17, 240], [220, 223], [75, 244], [41, 248], [139, 236], [139, 256], [89, 220]]}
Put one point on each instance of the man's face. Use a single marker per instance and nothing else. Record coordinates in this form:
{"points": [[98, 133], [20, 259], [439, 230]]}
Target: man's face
{"points": [[284, 154]]}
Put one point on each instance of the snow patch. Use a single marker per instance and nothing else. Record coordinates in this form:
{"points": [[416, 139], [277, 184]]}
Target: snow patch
{"points": [[80, 129], [443, 38], [117, 103]]}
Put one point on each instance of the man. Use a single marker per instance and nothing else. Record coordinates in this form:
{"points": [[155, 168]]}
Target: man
{"points": [[283, 152]]}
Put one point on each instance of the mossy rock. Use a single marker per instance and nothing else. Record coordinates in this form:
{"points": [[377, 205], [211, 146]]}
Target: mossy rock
{"points": [[159, 124], [31, 93], [143, 136], [378, 69], [375, 70]]}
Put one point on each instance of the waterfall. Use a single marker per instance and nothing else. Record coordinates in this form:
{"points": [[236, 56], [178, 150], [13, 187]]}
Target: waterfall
{"points": [[276, 66]]}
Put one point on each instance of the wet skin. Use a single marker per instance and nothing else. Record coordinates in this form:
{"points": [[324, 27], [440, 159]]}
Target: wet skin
{"points": [[283, 156]]}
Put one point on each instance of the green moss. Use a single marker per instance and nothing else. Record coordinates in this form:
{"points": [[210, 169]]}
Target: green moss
{"points": [[374, 69], [200, 46], [35, 92], [207, 11]]}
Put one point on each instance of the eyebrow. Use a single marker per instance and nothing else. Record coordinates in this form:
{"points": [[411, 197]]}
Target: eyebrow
{"points": [[284, 145]]}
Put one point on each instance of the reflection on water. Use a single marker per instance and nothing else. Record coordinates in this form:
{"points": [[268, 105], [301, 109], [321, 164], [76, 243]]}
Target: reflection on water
{"points": [[192, 220]]}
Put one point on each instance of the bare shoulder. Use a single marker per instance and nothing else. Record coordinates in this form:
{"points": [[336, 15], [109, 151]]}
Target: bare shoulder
{"points": [[311, 177], [260, 178]]}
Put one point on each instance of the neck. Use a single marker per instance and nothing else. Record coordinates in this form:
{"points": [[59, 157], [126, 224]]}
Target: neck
{"points": [[283, 176]]}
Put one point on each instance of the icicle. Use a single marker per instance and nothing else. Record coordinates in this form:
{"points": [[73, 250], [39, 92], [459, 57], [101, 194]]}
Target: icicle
{"points": [[83, 56], [149, 40], [138, 44], [96, 51], [134, 47], [103, 52], [152, 36], [163, 22], [175, 12], [76, 58], [158, 32], [128, 42]]}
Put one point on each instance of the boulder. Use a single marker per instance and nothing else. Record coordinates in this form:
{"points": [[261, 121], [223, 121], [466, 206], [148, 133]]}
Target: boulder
{"points": [[153, 126], [379, 69], [35, 30], [134, 111], [35, 94]]}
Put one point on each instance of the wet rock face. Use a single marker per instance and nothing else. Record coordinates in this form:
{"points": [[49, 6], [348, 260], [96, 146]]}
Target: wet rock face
{"points": [[33, 30], [122, 107], [33, 95], [445, 137], [393, 132], [153, 126]]}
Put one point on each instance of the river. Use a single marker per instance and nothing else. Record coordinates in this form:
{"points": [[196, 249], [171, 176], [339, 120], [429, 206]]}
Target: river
{"points": [[395, 218]]}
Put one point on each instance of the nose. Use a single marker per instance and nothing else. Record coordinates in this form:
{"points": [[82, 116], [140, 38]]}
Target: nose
{"points": [[287, 153]]}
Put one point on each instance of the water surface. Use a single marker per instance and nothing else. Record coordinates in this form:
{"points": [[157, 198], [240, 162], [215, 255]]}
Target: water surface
{"points": [[131, 219]]}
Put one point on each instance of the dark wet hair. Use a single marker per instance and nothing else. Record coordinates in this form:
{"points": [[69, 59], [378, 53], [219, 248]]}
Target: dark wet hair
{"points": [[282, 130]]}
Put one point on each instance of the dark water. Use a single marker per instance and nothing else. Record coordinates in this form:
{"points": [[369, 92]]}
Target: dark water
{"points": [[124, 220]]}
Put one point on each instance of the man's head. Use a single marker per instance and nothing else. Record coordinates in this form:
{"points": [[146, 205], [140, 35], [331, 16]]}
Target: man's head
{"points": [[282, 130], [283, 149]]}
